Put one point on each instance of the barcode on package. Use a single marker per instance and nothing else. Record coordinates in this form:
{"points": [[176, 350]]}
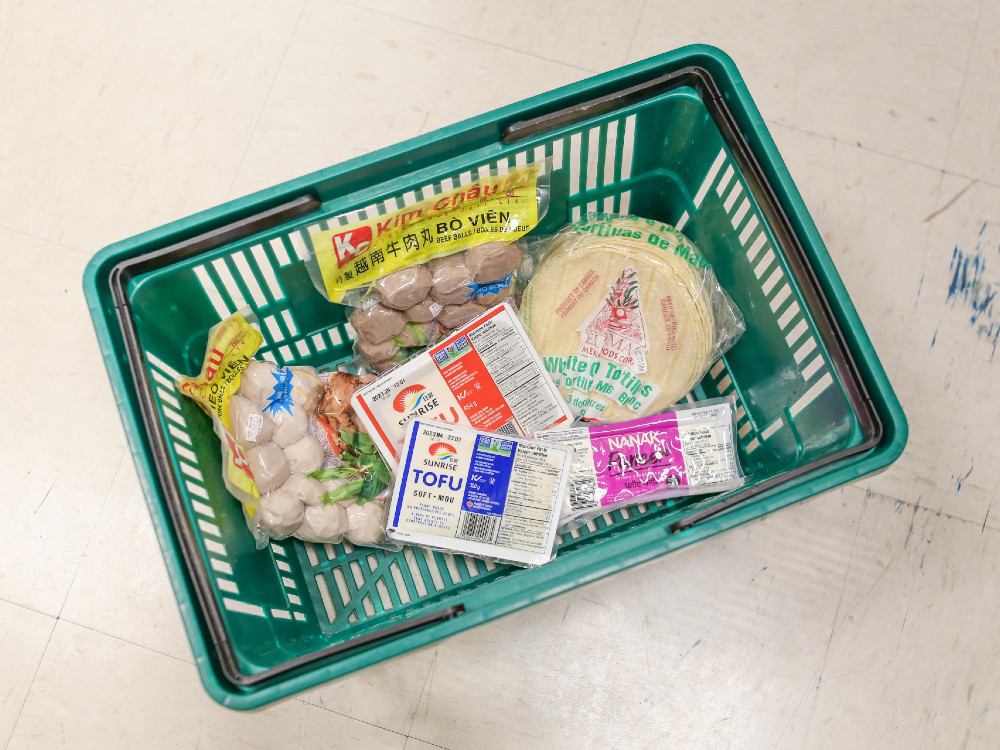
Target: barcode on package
{"points": [[478, 527], [507, 429], [582, 492]]}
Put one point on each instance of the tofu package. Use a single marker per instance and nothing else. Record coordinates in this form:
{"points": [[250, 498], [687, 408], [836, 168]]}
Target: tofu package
{"points": [[689, 450], [484, 375], [477, 493]]}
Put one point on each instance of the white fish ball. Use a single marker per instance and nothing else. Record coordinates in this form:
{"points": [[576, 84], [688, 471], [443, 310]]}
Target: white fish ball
{"points": [[280, 513], [269, 466]]}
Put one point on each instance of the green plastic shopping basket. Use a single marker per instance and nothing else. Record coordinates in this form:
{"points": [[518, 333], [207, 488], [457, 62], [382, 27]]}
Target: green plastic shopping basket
{"points": [[675, 138]]}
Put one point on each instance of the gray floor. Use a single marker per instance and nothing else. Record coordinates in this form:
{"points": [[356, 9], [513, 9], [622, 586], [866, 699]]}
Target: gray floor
{"points": [[866, 617]]}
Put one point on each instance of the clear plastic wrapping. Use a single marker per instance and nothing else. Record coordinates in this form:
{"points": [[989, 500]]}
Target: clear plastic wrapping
{"points": [[415, 273], [411, 309], [292, 453], [627, 315], [690, 450]]}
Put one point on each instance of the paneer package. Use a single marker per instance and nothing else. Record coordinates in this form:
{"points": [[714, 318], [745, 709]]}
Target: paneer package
{"points": [[689, 450], [485, 375], [475, 493]]}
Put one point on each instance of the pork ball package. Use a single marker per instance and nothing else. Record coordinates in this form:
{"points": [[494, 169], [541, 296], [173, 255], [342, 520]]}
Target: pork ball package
{"points": [[292, 453], [415, 273]]}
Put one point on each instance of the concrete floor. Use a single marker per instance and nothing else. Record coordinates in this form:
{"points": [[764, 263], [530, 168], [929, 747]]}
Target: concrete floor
{"points": [[866, 617]]}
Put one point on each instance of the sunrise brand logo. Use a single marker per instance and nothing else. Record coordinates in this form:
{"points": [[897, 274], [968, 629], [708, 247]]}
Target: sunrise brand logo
{"points": [[442, 451], [409, 398]]}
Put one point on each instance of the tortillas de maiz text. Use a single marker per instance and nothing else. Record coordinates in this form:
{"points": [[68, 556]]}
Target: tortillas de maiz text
{"points": [[621, 311]]}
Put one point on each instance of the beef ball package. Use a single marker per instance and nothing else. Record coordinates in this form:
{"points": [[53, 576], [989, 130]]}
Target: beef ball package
{"points": [[292, 453], [416, 273]]}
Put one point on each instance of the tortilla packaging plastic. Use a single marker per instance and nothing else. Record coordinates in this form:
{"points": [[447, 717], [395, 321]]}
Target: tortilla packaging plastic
{"points": [[627, 315]]}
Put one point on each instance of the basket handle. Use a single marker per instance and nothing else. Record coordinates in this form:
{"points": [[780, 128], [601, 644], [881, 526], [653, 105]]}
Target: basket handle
{"points": [[217, 237], [693, 76]]}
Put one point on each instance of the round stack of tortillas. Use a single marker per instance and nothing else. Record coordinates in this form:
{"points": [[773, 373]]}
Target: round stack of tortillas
{"points": [[621, 312]]}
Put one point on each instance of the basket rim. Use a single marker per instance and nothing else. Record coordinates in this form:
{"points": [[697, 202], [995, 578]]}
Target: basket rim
{"points": [[875, 454]]}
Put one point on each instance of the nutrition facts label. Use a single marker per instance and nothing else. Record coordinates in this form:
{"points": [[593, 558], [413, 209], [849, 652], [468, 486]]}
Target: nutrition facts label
{"points": [[708, 452], [519, 376], [534, 479], [584, 492]]}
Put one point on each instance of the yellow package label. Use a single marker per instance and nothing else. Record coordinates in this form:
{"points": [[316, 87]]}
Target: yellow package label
{"points": [[231, 345], [236, 473], [493, 208]]}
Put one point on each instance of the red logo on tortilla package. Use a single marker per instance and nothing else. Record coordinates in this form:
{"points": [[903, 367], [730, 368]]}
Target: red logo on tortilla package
{"points": [[409, 398], [348, 245], [616, 330]]}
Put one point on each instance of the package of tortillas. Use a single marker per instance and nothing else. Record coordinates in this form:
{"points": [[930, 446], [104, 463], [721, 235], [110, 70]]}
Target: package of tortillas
{"points": [[627, 315]]}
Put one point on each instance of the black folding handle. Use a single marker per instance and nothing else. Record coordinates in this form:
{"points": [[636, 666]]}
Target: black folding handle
{"points": [[215, 238], [389, 631], [690, 76]]}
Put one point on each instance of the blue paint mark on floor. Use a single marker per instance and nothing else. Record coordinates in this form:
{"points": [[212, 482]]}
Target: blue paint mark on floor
{"points": [[693, 647], [971, 288]]}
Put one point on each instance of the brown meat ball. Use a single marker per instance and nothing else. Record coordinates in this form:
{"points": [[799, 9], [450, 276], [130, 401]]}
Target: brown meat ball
{"points": [[453, 281], [376, 352], [453, 316], [423, 312], [409, 338], [404, 288], [492, 261], [377, 323], [493, 297]]}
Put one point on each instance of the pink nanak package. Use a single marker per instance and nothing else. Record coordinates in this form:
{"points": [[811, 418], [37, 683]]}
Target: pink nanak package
{"points": [[688, 451]]}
